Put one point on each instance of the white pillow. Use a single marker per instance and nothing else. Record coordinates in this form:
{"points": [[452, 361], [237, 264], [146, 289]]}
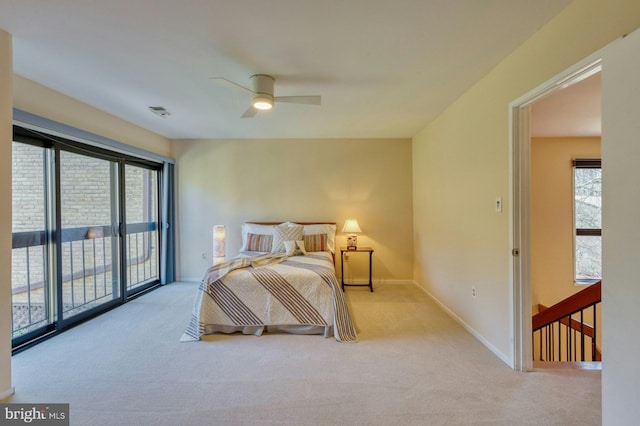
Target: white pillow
{"points": [[254, 228], [285, 232], [323, 228], [290, 247], [300, 244], [294, 248]]}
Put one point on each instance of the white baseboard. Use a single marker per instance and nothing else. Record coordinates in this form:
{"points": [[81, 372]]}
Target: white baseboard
{"points": [[375, 282], [188, 280], [384, 281], [7, 393], [467, 327]]}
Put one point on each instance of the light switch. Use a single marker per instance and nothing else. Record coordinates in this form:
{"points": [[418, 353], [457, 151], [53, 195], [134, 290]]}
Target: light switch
{"points": [[498, 204]]}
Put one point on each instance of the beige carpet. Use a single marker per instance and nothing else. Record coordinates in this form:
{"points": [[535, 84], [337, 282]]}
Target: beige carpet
{"points": [[413, 366]]}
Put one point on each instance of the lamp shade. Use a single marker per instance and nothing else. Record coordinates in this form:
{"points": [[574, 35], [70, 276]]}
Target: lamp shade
{"points": [[351, 226]]}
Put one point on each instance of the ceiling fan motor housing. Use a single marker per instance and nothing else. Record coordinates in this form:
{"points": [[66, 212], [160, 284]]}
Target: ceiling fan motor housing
{"points": [[262, 86]]}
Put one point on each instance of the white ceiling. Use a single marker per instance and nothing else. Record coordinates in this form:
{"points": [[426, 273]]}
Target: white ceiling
{"points": [[383, 68]]}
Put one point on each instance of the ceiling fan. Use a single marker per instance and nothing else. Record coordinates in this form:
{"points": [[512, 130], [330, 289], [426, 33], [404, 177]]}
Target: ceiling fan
{"points": [[262, 94]]}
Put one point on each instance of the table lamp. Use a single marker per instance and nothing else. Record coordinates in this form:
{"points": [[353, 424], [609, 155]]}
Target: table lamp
{"points": [[351, 228]]}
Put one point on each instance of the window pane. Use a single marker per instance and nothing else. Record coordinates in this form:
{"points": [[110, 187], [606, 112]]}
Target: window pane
{"points": [[588, 257], [141, 188], [588, 198], [31, 305], [88, 208]]}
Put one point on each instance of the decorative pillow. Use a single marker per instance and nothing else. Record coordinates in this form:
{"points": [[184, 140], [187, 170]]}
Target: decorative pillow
{"points": [[290, 248], [285, 232], [323, 228], [300, 244], [254, 228], [294, 248], [315, 242], [259, 242]]}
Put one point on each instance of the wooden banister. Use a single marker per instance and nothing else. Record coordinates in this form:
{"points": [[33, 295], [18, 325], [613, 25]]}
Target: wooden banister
{"points": [[587, 297], [574, 324]]}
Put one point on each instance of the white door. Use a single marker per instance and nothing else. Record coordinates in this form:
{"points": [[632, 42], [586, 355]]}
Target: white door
{"points": [[621, 230]]}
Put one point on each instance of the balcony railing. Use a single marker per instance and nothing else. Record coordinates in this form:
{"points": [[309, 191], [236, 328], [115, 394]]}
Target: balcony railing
{"points": [[88, 279]]}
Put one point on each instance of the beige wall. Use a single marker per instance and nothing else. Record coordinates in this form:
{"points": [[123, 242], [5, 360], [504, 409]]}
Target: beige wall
{"points": [[461, 163], [552, 271], [37, 99], [228, 182], [6, 73]]}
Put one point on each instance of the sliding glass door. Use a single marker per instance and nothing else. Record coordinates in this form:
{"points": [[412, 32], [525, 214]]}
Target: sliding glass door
{"points": [[89, 218], [141, 198], [86, 233]]}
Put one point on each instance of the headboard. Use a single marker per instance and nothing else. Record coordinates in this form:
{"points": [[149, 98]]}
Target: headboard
{"points": [[301, 223]]}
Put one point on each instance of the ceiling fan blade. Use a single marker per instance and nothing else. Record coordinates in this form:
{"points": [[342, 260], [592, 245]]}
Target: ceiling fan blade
{"points": [[230, 83], [250, 112], [309, 100]]}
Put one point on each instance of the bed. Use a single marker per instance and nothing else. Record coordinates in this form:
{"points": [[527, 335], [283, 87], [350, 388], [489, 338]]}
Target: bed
{"points": [[283, 280]]}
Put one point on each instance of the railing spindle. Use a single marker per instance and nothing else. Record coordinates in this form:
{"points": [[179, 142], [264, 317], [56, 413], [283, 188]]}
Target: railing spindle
{"points": [[95, 270], [104, 264], [137, 257], [593, 339], [540, 353], [29, 288], [129, 261], [582, 335], [73, 297], [84, 274], [559, 340], [46, 294]]}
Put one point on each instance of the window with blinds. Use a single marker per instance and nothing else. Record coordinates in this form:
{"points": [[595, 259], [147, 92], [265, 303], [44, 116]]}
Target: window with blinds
{"points": [[587, 191]]}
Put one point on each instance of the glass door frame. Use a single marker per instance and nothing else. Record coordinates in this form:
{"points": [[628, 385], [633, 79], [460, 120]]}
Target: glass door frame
{"points": [[131, 293], [116, 185]]}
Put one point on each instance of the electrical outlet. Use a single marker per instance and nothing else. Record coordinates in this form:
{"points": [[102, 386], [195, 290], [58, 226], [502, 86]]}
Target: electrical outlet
{"points": [[474, 292], [204, 255]]}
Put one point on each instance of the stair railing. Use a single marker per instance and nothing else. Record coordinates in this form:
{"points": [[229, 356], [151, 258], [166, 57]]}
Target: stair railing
{"points": [[567, 331]]}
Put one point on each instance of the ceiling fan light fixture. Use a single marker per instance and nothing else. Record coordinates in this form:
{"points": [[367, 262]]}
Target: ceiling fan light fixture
{"points": [[262, 102], [262, 97]]}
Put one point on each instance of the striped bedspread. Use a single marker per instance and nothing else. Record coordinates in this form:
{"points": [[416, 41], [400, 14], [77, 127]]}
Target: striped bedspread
{"points": [[251, 293]]}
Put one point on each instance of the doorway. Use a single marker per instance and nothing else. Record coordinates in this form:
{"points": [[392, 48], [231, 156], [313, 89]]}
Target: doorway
{"points": [[522, 213]]}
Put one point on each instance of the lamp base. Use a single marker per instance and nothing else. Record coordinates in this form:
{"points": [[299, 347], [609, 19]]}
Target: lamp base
{"points": [[352, 242]]}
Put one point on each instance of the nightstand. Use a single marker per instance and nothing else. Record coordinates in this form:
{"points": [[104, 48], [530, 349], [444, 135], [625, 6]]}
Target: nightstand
{"points": [[344, 250]]}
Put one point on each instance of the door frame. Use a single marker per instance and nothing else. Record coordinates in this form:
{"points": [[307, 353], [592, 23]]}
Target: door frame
{"points": [[520, 212]]}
